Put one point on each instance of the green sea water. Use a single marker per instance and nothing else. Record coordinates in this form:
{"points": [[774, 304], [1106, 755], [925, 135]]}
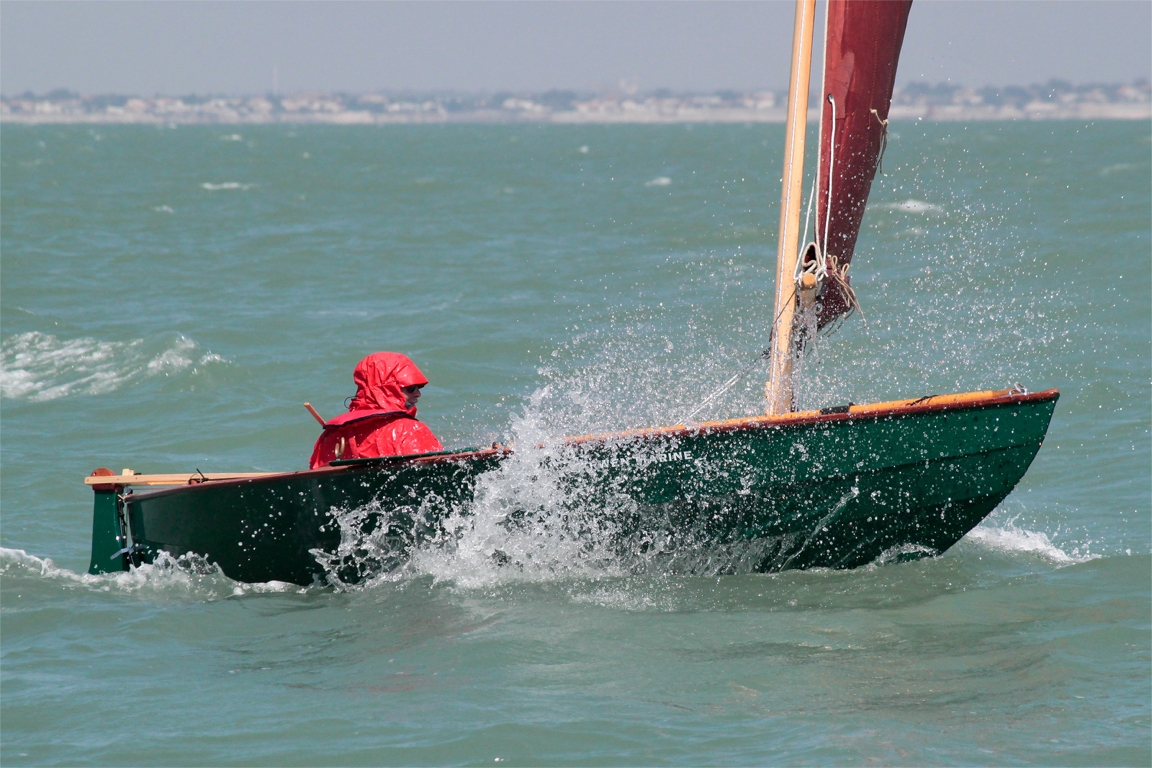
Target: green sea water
{"points": [[170, 297]]}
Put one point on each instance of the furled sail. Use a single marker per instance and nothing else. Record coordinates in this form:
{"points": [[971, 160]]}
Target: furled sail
{"points": [[862, 47]]}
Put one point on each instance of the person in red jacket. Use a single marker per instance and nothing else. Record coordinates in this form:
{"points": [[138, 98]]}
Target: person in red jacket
{"points": [[381, 420]]}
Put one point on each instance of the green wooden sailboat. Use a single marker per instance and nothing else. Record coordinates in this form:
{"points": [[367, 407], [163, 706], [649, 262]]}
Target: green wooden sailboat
{"points": [[838, 487]]}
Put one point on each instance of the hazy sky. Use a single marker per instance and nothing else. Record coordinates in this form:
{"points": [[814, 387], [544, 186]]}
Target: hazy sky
{"points": [[233, 47]]}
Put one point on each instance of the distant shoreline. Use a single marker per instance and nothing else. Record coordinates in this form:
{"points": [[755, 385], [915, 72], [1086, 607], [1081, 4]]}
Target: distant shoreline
{"points": [[943, 102], [945, 113]]}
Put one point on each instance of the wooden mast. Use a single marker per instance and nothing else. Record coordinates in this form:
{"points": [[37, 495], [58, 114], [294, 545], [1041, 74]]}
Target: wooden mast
{"points": [[779, 387]]}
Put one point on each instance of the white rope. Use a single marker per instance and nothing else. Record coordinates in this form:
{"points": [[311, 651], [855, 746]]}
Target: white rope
{"points": [[807, 219], [822, 265], [728, 384]]}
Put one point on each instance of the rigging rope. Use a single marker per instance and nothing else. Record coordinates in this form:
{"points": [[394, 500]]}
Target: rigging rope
{"points": [[822, 265], [807, 219], [826, 264], [764, 355]]}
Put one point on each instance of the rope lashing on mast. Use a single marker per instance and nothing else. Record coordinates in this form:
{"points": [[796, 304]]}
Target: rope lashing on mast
{"points": [[840, 276]]}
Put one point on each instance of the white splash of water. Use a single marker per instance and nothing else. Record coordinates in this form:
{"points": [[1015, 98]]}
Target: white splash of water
{"points": [[627, 595], [36, 366], [375, 544], [901, 553], [532, 518], [659, 181], [1012, 539]]}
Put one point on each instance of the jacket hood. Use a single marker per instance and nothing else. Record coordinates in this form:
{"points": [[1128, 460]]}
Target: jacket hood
{"points": [[379, 378]]}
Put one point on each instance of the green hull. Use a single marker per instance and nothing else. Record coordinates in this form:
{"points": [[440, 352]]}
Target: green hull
{"points": [[835, 490]]}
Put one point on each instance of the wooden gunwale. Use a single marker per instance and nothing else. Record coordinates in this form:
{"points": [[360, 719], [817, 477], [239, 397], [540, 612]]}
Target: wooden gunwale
{"points": [[417, 458], [795, 420], [871, 411]]}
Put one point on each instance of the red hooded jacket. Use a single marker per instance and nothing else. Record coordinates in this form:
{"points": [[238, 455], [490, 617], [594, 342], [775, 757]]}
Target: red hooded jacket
{"points": [[377, 423]]}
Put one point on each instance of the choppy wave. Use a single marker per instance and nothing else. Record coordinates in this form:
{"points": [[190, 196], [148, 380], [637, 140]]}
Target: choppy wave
{"points": [[1117, 168], [915, 206], [225, 185], [659, 181], [188, 575], [530, 523], [37, 366]]}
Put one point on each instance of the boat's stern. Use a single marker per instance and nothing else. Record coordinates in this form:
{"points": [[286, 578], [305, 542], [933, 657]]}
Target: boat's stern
{"points": [[110, 546]]}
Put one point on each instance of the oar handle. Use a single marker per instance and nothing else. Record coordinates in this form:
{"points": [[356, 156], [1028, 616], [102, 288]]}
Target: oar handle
{"points": [[315, 415]]}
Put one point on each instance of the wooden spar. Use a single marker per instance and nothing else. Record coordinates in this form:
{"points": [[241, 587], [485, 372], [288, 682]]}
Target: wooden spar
{"points": [[315, 415], [779, 387], [130, 478]]}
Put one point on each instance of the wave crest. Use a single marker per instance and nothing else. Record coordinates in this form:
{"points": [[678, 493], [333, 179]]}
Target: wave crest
{"points": [[225, 185], [37, 366]]}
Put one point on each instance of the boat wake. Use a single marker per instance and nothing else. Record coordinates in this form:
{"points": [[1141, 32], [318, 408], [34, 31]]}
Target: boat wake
{"points": [[37, 366], [188, 577], [1011, 539]]}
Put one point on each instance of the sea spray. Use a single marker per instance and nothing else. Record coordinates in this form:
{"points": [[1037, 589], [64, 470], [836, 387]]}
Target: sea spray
{"points": [[543, 513]]}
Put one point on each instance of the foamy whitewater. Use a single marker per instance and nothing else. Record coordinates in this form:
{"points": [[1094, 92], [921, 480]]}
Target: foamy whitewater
{"points": [[170, 298], [37, 366]]}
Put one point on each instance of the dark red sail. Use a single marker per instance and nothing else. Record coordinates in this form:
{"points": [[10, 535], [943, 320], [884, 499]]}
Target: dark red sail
{"points": [[860, 55]]}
